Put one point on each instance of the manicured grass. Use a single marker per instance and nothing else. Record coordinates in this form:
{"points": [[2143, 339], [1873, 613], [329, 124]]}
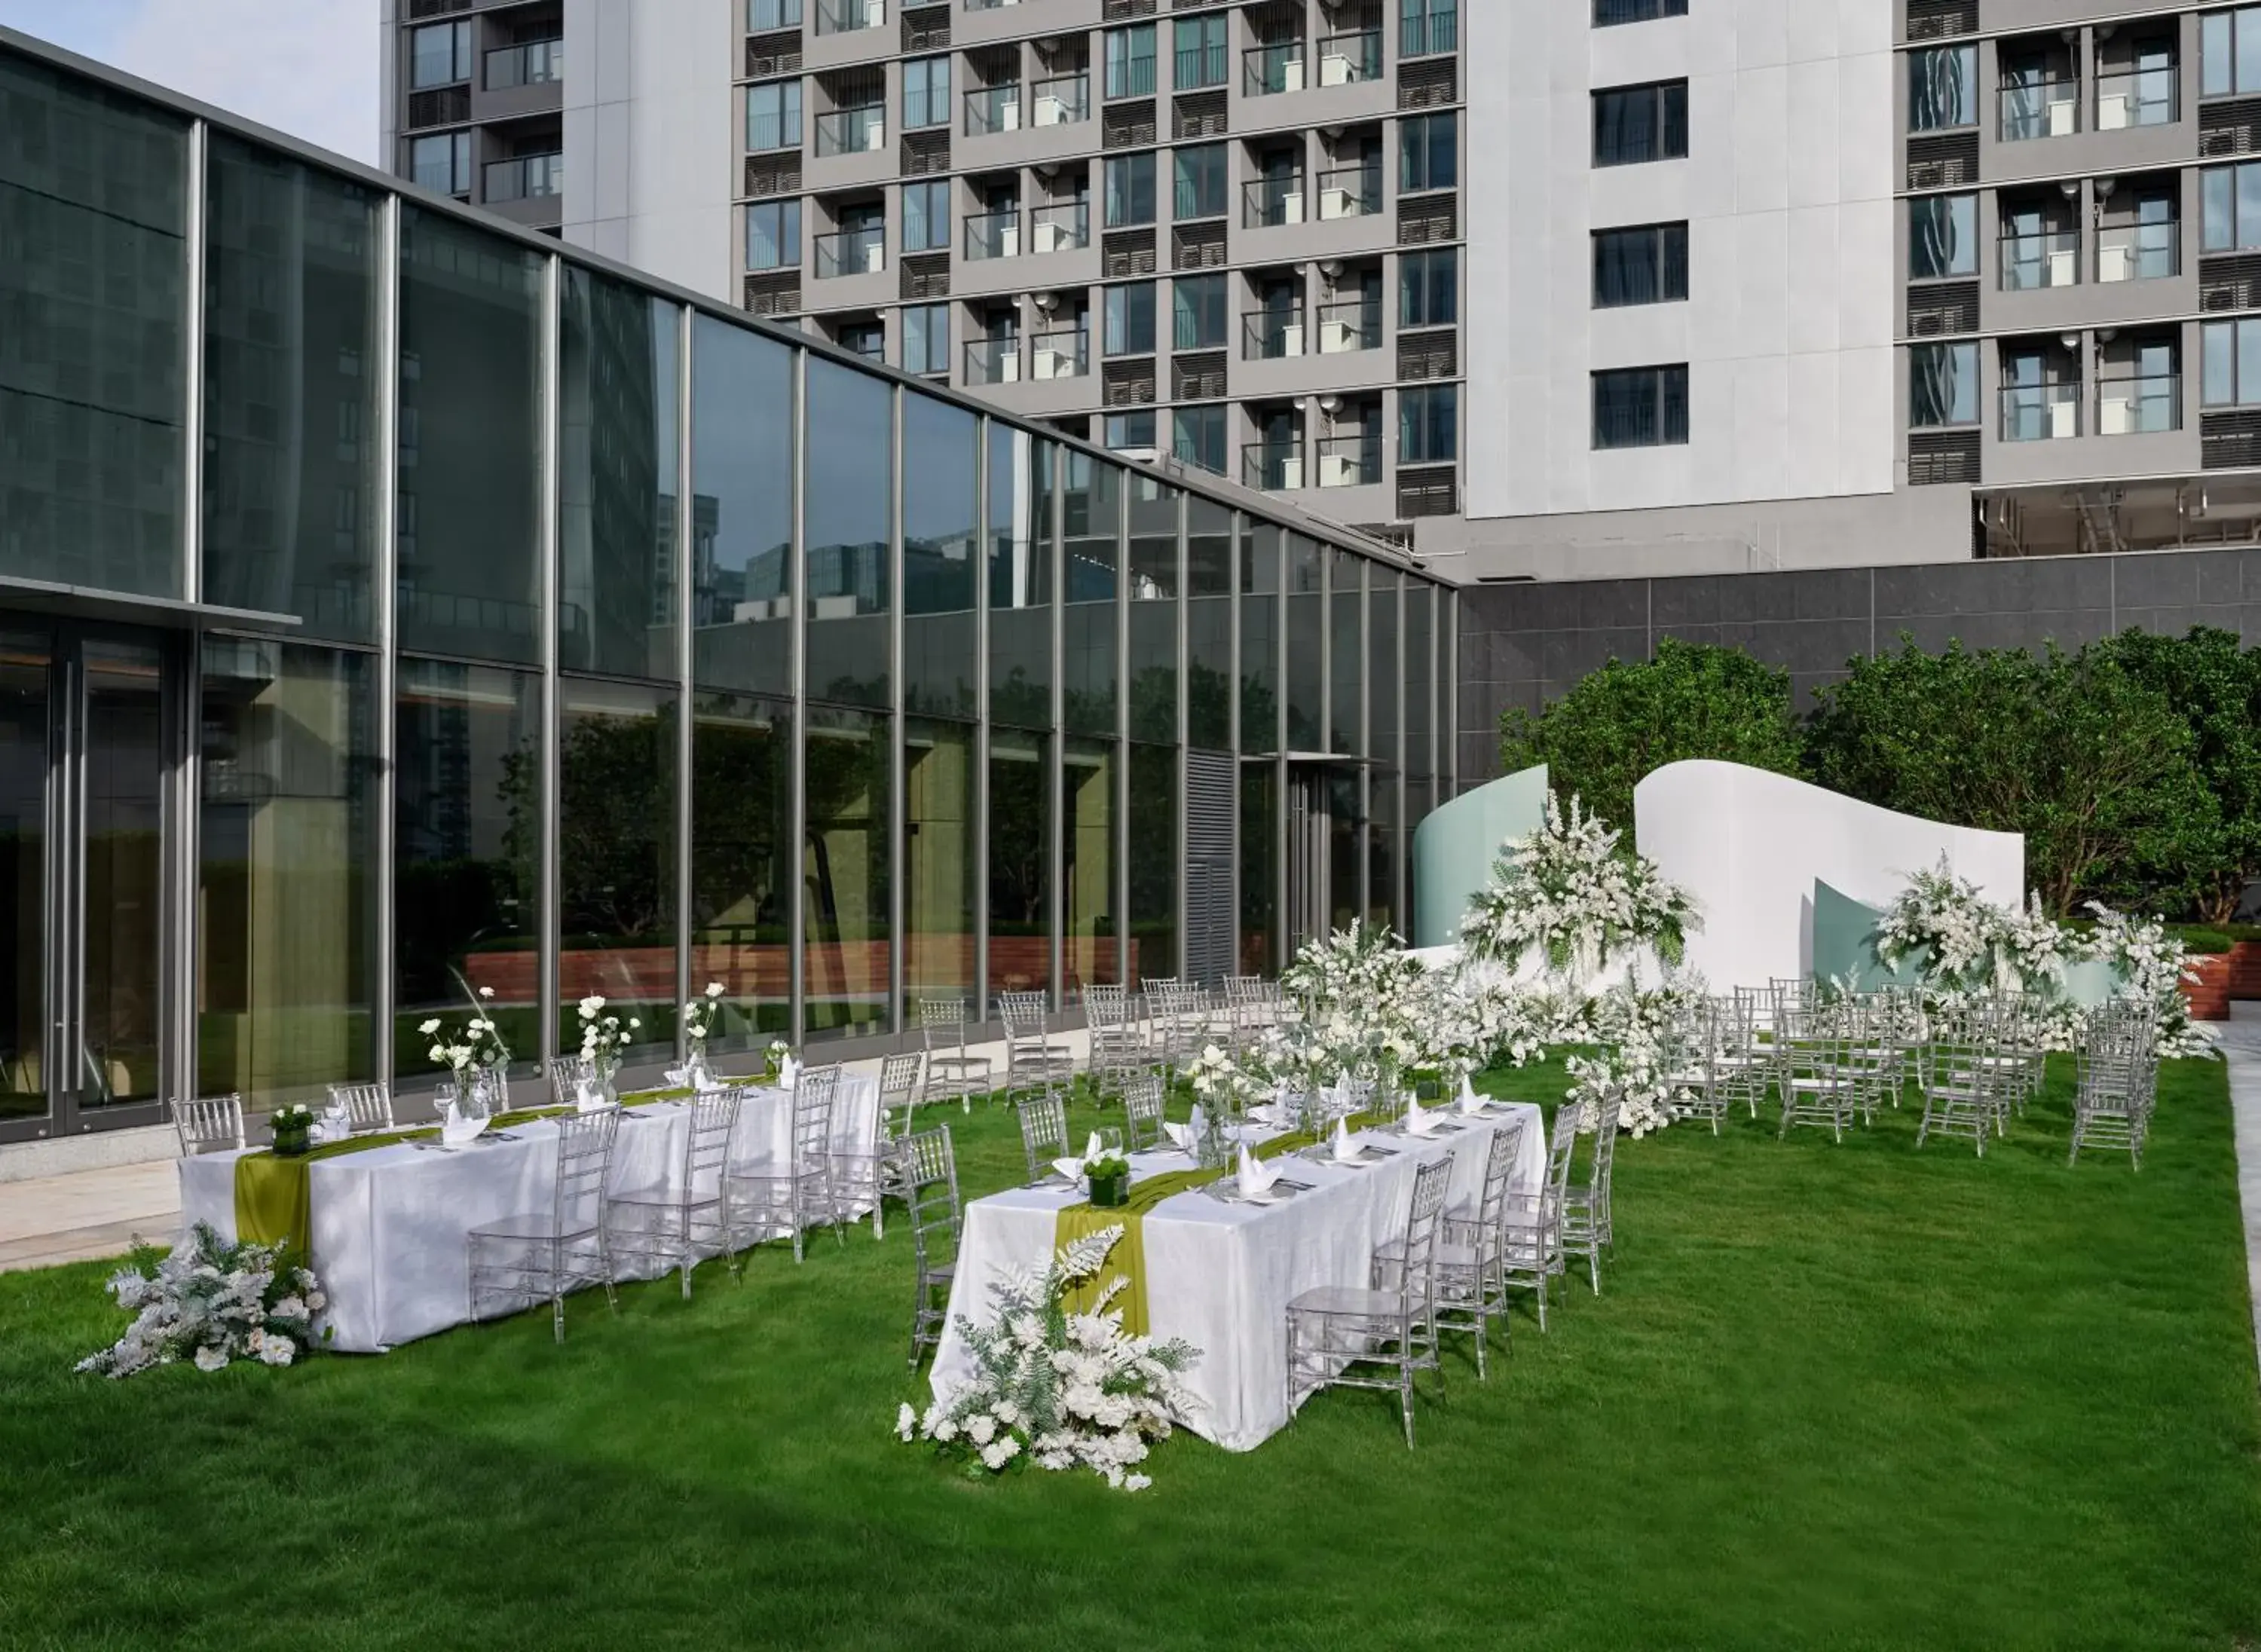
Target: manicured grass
{"points": [[1847, 1396]]}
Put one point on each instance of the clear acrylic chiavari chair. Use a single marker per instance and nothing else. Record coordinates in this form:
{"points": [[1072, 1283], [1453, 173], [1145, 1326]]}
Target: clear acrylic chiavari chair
{"points": [[773, 1200], [556, 1252], [931, 1170], [673, 1223]]}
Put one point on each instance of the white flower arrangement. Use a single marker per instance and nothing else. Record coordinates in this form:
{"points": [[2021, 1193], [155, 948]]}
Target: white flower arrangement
{"points": [[1639, 1032], [477, 1048], [1056, 1389], [2153, 970], [701, 1015], [210, 1301], [776, 1054], [604, 1038], [1566, 895]]}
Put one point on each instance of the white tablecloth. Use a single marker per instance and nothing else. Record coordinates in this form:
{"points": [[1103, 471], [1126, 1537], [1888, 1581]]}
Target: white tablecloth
{"points": [[1221, 1276], [391, 1226]]}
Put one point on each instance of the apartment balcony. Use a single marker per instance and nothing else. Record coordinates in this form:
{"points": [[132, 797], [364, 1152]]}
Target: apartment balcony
{"points": [[1062, 228], [850, 149], [988, 235], [993, 108], [1350, 60], [2040, 412], [2064, 431], [2138, 252], [986, 22], [2122, 121], [1338, 214], [852, 131], [2046, 107], [1272, 335], [1272, 467], [1352, 461], [1266, 71], [1269, 202], [852, 252], [1015, 126], [991, 361], [2138, 97], [1051, 376], [1347, 327], [2050, 259], [2136, 405], [848, 31], [527, 79], [529, 189]]}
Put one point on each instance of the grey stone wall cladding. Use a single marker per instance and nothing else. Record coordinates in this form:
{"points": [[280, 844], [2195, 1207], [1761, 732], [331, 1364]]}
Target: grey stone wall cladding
{"points": [[1528, 643]]}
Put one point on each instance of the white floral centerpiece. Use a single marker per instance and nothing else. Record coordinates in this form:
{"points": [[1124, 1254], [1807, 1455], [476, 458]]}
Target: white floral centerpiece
{"points": [[1057, 1388], [475, 1054], [700, 1017], [210, 1301], [1637, 1034], [2153, 970], [605, 1037]]}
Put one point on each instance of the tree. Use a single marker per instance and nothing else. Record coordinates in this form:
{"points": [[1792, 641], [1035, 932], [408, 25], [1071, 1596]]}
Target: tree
{"points": [[2092, 766], [2215, 686], [1618, 723]]}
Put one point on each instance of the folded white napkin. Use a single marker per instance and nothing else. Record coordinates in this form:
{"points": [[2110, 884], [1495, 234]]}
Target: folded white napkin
{"points": [[1346, 1149], [456, 1130], [677, 1076], [1256, 1177], [589, 1097], [1181, 1136], [1073, 1168], [1470, 1101], [1419, 1121], [788, 1073]]}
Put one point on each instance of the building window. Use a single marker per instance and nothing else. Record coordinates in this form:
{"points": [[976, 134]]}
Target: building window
{"points": [[1641, 407], [1429, 288], [866, 339], [2229, 53], [2230, 200], [441, 163], [926, 338], [1428, 425], [1942, 236], [1633, 124], [1201, 49], [1609, 12], [1197, 312], [439, 55], [1429, 26], [1131, 62], [926, 92], [1123, 432], [1130, 190], [773, 234], [1942, 386], [771, 14], [2232, 355], [773, 116], [1645, 265], [1428, 152], [1197, 437], [1128, 326], [926, 216], [1943, 87], [1200, 182]]}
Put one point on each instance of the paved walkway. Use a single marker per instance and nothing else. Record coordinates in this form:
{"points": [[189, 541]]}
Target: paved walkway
{"points": [[88, 1213], [2241, 1042]]}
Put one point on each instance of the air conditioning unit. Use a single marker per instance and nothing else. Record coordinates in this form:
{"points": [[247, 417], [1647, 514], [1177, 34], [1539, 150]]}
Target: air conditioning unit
{"points": [[2115, 111], [2116, 416], [1337, 338], [1337, 203], [2115, 263], [1291, 75], [875, 135], [2063, 117], [1044, 237], [1334, 69], [875, 258], [1008, 241], [1053, 364], [1291, 339], [2064, 420], [875, 15], [1291, 207], [1338, 470], [1051, 110], [1291, 471], [2061, 269], [1008, 368]]}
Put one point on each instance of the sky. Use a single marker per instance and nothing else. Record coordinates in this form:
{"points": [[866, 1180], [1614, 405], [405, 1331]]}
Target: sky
{"points": [[304, 67]]}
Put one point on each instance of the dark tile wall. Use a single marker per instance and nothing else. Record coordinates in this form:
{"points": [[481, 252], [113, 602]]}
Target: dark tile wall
{"points": [[1526, 645]]}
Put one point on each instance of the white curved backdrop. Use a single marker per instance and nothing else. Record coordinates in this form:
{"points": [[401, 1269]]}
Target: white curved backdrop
{"points": [[1748, 845]]}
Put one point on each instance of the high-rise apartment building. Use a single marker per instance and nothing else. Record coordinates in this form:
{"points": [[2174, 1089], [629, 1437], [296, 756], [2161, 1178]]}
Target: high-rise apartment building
{"points": [[1551, 287]]}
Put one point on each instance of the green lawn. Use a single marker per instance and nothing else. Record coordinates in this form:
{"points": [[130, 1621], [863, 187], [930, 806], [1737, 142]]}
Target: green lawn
{"points": [[1843, 1396]]}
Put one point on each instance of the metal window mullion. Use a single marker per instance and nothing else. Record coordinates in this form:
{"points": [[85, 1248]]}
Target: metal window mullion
{"points": [[898, 777], [386, 366], [687, 744], [1235, 524], [1122, 821], [192, 320], [1445, 712], [178, 1040], [977, 790], [1055, 459], [1363, 840], [552, 779], [797, 799], [1184, 596], [1283, 920]]}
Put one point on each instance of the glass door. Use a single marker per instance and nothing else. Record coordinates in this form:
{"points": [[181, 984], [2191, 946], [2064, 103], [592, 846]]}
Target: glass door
{"points": [[25, 754]]}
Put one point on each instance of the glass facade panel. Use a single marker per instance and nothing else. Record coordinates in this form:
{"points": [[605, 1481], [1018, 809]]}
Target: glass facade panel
{"points": [[843, 873], [939, 862], [618, 463], [1153, 588], [741, 866], [1020, 861], [467, 826], [25, 711], [1346, 652], [1208, 625], [1307, 624], [1021, 574], [1419, 690], [616, 758], [742, 482], [848, 517], [1383, 669], [93, 349], [941, 468], [1260, 869], [1092, 553], [1381, 850], [1090, 834], [470, 442], [287, 870], [1260, 637], [291, 380], [1153, 863]]}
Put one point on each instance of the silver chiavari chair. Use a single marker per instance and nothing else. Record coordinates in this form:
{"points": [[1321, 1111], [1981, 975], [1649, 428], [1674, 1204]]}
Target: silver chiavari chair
{"points": [[1471, 1259], [673, 1223], [1809, 1052], [772, 1200], [1961, 1078], [556, 1252], [902, 1088], [1532, 1228], [567, 1074], [1043, 1132], [208, 1124], [953, 1069], [368, 1106], [1117, 1054], [1033, 1059], [1334, 1330], [930, 1171], [1142, 1113], [2116, 1079], [1589, 1227]]}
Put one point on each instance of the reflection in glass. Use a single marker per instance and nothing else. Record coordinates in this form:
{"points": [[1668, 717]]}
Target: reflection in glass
{"points": [[1420, 600], [616, 745], [939, 867], [1020, 577], [1347, 653], [1384, 669], [1087, 906], [1307, 619], [471, 442], [1153, 862], [616, 480], [1381, 849], [1020, 862], [1153, 587], [1208, 624], [844, 874], [741, 508], [941, 465], [1260, 869], [468, 831], [1346, 820], [1092, 553], [125, 899], [1259, 638], [93, 354], [291, 388], [741, 866], [287, 908], [24, 714], [848, 518]]}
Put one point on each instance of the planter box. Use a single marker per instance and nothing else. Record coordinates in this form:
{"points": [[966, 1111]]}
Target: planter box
{"points": [[2245, 969], [2208, 987]]}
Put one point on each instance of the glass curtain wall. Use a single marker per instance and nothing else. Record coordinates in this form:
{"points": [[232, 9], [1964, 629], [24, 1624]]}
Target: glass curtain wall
{"points": [[1020, 860], [1020, 577], [1208, 625], [1152, 588], [1261, 550], [1153, 862], [845, 937], [848, 519], [1385, 846], [616, 895], [742, 508], [940, 870], [1420, 696], [742, 864], [1307, 623], [941, 468], [25, 711], [1092, 552], [1089, 835]]}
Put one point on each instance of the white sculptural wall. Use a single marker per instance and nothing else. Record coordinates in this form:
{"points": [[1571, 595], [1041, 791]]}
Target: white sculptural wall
{"points": [[1748, 844]]}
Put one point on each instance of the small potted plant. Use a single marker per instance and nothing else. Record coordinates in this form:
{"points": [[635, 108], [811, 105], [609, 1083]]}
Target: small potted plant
{"points": [[1110, 1177], [293, 1127]]}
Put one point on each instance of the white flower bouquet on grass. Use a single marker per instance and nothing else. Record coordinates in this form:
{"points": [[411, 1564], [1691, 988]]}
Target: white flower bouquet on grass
{"points": [[210, 1301], [1057, 1388]]}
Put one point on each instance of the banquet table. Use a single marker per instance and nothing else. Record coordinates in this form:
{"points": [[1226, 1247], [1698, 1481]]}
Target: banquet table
{"points": [[1221, 1274], [391, 1226]]}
